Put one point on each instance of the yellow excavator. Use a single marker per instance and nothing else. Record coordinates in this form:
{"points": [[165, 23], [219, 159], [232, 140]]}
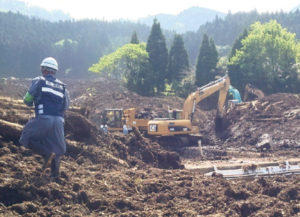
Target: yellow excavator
{"points": [[115, 119], [181, 121]]}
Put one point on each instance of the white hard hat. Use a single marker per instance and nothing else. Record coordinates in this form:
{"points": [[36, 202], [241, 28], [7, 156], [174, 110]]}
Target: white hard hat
{"points": [[50, 62]]}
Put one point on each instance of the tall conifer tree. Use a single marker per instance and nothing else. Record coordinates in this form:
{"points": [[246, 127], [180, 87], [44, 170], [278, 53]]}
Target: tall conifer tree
{"points": [[207, 60], [158, 55], [178, 60], [214, 56], [134, 38]]}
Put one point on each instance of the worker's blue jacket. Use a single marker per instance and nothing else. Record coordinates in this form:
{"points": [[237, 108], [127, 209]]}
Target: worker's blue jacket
{"points": [[51, 96]]}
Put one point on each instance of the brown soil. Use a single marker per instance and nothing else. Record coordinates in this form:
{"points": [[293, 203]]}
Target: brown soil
{"points": [[133, 175]]}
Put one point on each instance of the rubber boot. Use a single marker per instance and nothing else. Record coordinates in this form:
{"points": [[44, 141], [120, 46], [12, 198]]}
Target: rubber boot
{"points": [[48, 161], [55, 166]]}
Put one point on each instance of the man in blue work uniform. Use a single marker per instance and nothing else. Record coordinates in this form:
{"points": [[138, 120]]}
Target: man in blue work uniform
{"points": [[44, 134]]}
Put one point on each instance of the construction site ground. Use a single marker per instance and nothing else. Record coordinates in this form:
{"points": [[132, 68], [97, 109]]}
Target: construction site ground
{"points": [[136, 175]]}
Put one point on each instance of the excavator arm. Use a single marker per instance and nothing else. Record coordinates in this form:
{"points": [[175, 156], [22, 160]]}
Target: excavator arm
{"points": [[221, 85]]}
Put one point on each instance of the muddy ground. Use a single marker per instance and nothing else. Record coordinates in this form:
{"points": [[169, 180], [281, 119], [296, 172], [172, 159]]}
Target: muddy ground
{"points": [[134, 175]]}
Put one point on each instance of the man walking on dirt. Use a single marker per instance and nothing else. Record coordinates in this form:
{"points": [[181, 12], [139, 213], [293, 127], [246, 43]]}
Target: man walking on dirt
{"points": [[44, 134]]}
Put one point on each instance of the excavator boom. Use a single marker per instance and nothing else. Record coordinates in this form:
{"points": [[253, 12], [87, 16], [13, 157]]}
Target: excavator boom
{"points": [[203, 92]]}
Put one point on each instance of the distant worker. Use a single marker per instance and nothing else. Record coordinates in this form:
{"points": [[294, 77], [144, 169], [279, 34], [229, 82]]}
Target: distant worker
{"points": [[44, 134], [171, 113], [235, 94], [105, 129], [125, 129]]}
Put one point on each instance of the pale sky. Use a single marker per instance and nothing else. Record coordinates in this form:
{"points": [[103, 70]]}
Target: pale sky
{"points": [[134, 9]]}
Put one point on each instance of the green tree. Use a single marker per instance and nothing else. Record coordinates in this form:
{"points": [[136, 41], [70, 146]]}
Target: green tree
{"points": [[267, 59], [130, 64], [134, 38], [66, 49], [207, 61], [214, 55], [298, 53], [234, 69], [158, 56], [178, 60]]}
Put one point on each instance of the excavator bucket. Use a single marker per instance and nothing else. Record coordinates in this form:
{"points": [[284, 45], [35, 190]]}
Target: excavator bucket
{"points": [[221, 126]]}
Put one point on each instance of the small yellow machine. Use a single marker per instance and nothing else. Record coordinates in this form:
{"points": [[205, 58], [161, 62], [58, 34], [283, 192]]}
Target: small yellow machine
{"points": [[115, 119], [181, 123]]}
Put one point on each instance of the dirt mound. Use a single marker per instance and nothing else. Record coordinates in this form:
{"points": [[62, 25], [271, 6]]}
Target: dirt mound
{"points": [[133, 175], [133, 149], [13, 87], [276, 116], [94, 184], [271, 123]]}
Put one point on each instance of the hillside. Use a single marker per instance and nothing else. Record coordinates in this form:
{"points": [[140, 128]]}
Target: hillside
{"points": [[32, 11], [79, 44], [75, 44], [187, 20]]}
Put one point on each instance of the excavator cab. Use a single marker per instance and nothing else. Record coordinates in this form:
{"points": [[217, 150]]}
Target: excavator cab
{"points": [[113, 118], [175, 114]]}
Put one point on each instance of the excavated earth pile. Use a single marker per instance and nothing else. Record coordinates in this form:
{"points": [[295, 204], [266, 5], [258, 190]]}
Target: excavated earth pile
{"points": [[269, 127], [132, 175], [276, 116]]}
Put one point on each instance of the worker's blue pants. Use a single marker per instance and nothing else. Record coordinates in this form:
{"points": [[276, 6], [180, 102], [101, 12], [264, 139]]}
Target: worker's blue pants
{"points": [[44, 135]]}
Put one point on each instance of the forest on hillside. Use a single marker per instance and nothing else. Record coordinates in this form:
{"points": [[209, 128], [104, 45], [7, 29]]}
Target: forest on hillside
{"points": [[77, 45], [25, 41], [225, 31]]}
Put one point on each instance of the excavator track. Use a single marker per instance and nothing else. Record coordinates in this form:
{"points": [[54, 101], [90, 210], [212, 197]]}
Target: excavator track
{"points": [[182, 144]]}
